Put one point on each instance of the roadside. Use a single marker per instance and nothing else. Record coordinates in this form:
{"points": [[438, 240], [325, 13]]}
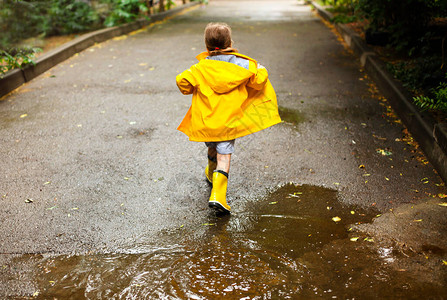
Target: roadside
{"points": [[417, 231], [59, 49]]}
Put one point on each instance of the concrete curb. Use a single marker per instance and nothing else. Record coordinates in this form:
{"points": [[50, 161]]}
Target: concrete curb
{"points": [[15, 78], [432, 137]]}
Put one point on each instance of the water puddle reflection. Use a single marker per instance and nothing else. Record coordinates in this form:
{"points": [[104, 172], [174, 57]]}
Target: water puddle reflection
{"points": [[293, 245]]}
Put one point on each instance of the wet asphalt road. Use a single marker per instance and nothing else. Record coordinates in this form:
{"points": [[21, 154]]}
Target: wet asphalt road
{"points": [[93, 142]]}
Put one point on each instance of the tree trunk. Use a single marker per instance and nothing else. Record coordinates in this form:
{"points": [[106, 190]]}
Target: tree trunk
{"points": [[162, 6]]}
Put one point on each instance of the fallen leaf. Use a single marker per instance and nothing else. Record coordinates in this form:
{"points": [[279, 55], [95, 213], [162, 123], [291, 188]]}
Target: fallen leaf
{"points": [[271, 203], [418, 220], [75, 208], [51, 208], [29, 200], [143, 64], [369, 240], [442, 196], [384, 152], [48, 182], [336, 219], [444, 262], [151, 68], [354, 239], [209, 224], [352, 212], [443, 204], [23, 116]]}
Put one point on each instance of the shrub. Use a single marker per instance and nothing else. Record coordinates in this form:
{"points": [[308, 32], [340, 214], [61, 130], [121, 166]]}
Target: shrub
{"points": [[437, 100], [124, 11], [16, 58]]}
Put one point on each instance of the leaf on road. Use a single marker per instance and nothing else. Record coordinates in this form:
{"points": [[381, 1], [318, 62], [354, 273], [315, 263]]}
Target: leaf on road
{"points": [[444, 262], [443, 204], [442, 196], [23, 116], [384, 152], [336, 219], [209, 224], [143, 64], [354, 239], [418, 220], [29, 200], [51, 208], [271, 203], [361, 166]]}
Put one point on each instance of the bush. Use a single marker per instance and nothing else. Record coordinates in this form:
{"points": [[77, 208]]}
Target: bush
{"points": [[436, 101], [16, 58], [124, 11], [406, 23], [66, 16]]}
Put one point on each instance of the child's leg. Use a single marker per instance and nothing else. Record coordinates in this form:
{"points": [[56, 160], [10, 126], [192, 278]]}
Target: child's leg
{"points": [[223, 162], [212, 162], [218, 197]]}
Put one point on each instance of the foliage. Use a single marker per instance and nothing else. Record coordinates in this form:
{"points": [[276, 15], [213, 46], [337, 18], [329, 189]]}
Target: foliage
{"points": [[406, 23], [438, 101], [422, 73], [16, 58], [68, 16], [124, 11], [21, 20]]}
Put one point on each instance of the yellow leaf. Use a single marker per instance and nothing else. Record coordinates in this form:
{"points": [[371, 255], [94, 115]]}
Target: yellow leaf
{"points": [[352, 212], [127, 81], [361, 166], [23, 116], [151, 68], [208, 224], [273, 202], [444, 262], [336, 219], [442, 196], [418, 220], [354, 239], [443, 204], [143, 64]]}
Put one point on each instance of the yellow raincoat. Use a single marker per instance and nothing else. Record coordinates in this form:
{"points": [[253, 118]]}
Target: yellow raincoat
{"points": [[228, 101]]}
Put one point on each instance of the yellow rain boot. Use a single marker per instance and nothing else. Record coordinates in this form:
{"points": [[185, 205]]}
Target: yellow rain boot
{"points": [[218, 198], [212, 164]]}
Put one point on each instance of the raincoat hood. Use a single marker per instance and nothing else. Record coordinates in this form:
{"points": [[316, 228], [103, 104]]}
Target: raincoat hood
{"points": [[222, 76]]}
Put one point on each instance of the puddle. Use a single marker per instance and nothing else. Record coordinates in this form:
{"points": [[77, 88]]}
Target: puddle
{"points": [[286, 246], [288, 115]]}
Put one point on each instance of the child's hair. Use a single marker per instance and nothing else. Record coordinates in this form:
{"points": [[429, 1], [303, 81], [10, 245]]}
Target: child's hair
{"points": [[218, 39]]}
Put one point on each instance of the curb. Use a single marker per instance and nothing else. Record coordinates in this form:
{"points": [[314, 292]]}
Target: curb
{"points": [[15, 78], [432, 137]]}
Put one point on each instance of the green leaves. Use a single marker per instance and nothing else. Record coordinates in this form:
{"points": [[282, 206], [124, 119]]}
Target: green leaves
{"points": [[16, 58]]}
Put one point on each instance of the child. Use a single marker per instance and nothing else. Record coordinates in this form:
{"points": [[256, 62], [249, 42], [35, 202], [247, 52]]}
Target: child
{"points": [[232, 97]]}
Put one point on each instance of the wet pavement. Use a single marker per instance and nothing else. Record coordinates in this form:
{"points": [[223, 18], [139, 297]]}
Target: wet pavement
{"points": [[102, 197]]}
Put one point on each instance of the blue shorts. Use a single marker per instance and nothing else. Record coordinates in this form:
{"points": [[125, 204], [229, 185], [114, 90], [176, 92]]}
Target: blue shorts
{"points": [[225, 147]]}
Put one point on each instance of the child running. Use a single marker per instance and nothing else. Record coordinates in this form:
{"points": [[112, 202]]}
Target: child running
{"points": [[232, 98]]}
